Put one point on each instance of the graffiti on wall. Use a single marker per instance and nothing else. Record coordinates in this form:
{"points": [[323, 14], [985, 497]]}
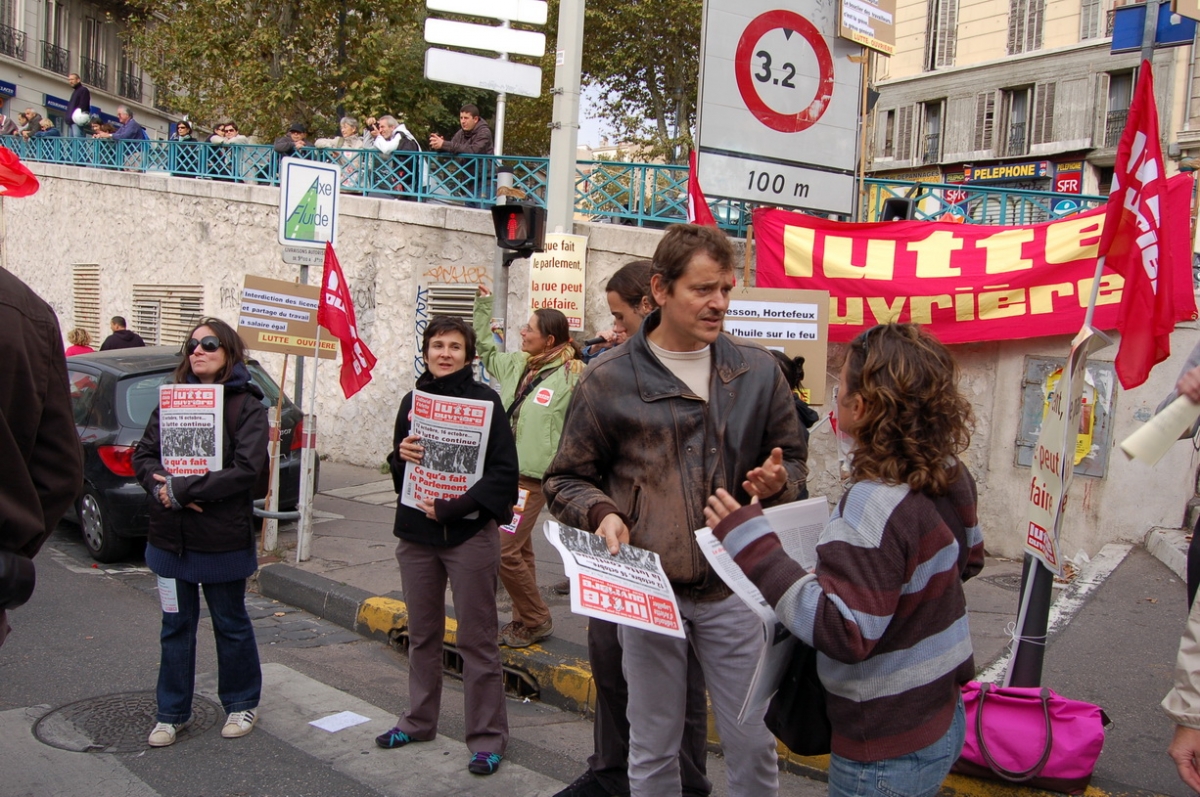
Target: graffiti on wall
{"points": [[459, 275]]}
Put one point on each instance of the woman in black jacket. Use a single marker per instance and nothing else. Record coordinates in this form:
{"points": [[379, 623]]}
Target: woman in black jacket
{"points": [[457, 539], [201, 532]]}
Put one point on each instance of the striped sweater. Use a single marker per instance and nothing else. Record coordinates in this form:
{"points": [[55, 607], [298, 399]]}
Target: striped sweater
{"points": [[884, 608]]}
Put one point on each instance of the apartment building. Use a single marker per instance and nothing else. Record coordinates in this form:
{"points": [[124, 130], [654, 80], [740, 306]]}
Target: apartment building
{"points": [[1018, 94], [42, 41]]}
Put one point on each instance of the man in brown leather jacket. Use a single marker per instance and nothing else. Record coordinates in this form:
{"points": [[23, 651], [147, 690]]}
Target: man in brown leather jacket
{"points": [[698, 410], [43, 464]]}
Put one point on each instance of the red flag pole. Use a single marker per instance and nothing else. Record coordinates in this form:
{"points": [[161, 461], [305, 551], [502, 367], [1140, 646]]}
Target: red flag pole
{"points": [[307, 452]]}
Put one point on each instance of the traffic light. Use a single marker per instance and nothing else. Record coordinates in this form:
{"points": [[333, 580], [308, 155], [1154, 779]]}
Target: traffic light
{"points": [[520, 227]]}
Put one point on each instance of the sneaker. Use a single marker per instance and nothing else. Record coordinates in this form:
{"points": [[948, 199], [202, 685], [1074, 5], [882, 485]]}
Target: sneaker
{"points": [[484, 763], [506, 630], [562, 587], [523, 636], [392, 739], [239, 723], [585, 785], [163, 734]]}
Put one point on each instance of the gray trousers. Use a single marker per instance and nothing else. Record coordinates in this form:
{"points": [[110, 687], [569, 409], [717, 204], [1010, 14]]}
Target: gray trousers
{"points": [[471, 569], [727, 638]]}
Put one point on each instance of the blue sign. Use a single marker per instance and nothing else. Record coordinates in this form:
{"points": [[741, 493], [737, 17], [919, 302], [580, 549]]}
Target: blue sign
{"points": [[108, 117], [7, 88], [1130, 21], [55, 103], [1065, 207]]}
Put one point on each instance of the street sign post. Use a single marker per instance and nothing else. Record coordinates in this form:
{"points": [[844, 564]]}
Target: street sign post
{"points": [[308, 203], [530, 12], [779, 96], [461, 69], [871, 23], [485, 37]]}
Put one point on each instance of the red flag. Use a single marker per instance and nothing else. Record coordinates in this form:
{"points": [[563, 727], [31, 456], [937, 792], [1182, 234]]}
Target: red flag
{"points": [[336, 313], [1134, 242], [15, 178], [697, 211]]}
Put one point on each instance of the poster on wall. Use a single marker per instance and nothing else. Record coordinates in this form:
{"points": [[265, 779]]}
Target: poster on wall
{"points": [[556, 277], [795, 322]]}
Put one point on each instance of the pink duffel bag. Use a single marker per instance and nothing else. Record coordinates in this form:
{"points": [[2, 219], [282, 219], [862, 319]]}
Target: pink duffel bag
{"points": [[1030, 735]]}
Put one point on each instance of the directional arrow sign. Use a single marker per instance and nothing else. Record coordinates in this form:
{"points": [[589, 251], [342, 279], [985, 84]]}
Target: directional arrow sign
{"points": [[485, 37], [478, 72], [532, 12]]}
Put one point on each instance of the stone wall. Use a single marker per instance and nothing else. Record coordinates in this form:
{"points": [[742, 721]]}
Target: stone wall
{"points": [[163, 230]]}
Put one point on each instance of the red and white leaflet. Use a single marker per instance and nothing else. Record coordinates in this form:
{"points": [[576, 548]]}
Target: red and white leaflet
{"points": [[191, 426], [454, 433], [629, 588]]}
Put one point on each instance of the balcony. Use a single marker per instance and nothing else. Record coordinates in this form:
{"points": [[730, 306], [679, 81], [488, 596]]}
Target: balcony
{"points": [[12, 42], [933, 148], [1114, 126], [93, 73], [1017, 143], [129, 86], [163, 97], [55, 58]]}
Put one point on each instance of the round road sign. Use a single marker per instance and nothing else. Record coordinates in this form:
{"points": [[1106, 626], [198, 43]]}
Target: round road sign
{"points": [[790, 21]]}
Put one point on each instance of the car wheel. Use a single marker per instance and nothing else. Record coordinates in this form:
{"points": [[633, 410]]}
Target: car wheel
{"points": [[102, 544]]}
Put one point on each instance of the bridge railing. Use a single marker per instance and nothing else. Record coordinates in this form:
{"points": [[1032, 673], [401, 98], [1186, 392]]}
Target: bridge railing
{"points": [[616, 192]]}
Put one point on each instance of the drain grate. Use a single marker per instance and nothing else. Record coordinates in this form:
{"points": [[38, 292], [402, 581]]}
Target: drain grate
{"points": [[116, 723], [1010, 581]]}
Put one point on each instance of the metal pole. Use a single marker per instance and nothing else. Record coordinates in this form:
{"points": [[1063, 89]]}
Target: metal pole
{"points": [[504, 179], [1148, 30], [501, 101], [564, 135], [1033, 618], [307, 453], [298, 389]]}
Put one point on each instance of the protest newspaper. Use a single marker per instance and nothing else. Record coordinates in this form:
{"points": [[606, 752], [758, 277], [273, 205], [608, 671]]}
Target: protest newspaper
{"points": [[629, 588], [798, 525], [454, 434], [191, 426]]}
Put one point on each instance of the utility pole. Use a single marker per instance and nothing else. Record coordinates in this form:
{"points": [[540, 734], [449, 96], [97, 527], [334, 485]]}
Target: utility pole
{"points": [[564, 135]]}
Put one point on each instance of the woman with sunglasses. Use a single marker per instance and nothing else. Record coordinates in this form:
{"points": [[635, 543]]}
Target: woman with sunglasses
{"points": [[535, 385], [202, 533], [884, 608]]}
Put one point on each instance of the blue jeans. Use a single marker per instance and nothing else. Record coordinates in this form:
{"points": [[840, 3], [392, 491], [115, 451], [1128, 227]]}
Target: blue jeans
{"points": [[239, 676], [75, 131], [918, 774]]}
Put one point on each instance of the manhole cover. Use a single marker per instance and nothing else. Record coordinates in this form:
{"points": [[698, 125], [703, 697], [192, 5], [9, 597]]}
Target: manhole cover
{"points": [[1010, 581], [115, 723]]}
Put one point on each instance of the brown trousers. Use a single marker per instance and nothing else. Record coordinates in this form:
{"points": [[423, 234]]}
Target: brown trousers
{"points": [[471, 569], [518, 569]]}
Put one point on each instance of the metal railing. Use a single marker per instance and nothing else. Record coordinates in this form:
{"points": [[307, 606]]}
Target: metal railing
{"points": [[12, 42], [612, 192], [1114, 126], [933, 148], [129, 86], [93, 73], [55, 58], [1016, 144]]}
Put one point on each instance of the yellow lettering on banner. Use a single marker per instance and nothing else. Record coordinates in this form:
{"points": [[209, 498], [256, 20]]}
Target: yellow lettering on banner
{"points": [[964, 307], [854, 311], [799, 244], [922, 306], [1041, 297], [933, 256], [1111, 287], [839, 259], [884, 311], [1001, 303], [1004, 251], [1064, 239]]}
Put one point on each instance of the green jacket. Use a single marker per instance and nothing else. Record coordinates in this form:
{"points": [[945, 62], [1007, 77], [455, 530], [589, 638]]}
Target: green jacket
{"points": [[540, 422]]}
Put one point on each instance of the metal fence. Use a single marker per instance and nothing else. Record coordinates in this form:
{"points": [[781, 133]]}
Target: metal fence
{"points": [[613, 192]]}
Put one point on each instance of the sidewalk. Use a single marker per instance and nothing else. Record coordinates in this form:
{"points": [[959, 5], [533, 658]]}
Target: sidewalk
{"points": [[353, 579]]}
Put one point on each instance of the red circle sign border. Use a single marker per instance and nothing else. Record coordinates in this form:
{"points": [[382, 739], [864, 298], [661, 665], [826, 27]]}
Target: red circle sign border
{"points": [[790, 20]]}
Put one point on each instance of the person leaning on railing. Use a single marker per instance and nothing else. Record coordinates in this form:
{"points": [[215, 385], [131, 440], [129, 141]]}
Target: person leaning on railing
{"points": [[48, 130], [228, 166], [351, 162]]}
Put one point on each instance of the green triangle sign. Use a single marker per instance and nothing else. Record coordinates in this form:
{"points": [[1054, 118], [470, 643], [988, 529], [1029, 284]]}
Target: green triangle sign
{"points": [[301, 224]]}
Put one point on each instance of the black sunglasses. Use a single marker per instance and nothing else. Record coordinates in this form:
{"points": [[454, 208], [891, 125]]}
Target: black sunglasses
{"points": [[209, 343]]}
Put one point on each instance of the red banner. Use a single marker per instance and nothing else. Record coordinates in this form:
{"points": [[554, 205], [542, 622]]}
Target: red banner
{"points": [[964, 282]]}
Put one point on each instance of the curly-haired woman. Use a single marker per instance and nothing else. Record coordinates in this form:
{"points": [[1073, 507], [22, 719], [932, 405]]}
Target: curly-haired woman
{"points": [[885, 606]]}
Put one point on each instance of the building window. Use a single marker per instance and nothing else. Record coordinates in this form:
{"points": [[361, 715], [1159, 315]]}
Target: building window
{"points": [[1091, 19], [1043, 113], [985, 120], [932, 152], [1120, 94], [55, 56], [1015, 125], [942, 34], [889, 134], [1025, 21], [92, 69], [904, 133]]}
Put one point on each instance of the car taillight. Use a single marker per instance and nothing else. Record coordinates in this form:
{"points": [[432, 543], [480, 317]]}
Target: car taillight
{"points": [[118, 459], [297, 436]]}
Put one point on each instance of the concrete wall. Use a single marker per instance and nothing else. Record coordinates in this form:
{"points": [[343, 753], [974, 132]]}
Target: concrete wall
{"points": [[164, 230]]}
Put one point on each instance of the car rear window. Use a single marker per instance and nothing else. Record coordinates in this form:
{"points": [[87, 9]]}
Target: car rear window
{"points": [[137, 396]]}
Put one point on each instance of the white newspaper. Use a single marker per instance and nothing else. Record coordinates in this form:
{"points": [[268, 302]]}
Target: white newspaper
{"points": [[798, 525], [454, 434], [191, 426], [629, 588]]}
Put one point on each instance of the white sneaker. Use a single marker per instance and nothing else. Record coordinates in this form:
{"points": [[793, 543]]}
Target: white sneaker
{"points": [[239, 723], [163, 734]]}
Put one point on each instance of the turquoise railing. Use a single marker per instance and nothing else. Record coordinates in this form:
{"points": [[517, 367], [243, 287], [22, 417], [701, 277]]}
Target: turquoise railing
{"points": [[617, 192]]}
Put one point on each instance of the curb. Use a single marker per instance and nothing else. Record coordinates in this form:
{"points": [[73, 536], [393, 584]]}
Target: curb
{"points": [[1169, 546], [558, 672]]}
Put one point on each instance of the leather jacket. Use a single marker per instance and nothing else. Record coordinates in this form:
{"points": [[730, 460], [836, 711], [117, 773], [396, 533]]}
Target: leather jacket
{"points": [[638, 440]]}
